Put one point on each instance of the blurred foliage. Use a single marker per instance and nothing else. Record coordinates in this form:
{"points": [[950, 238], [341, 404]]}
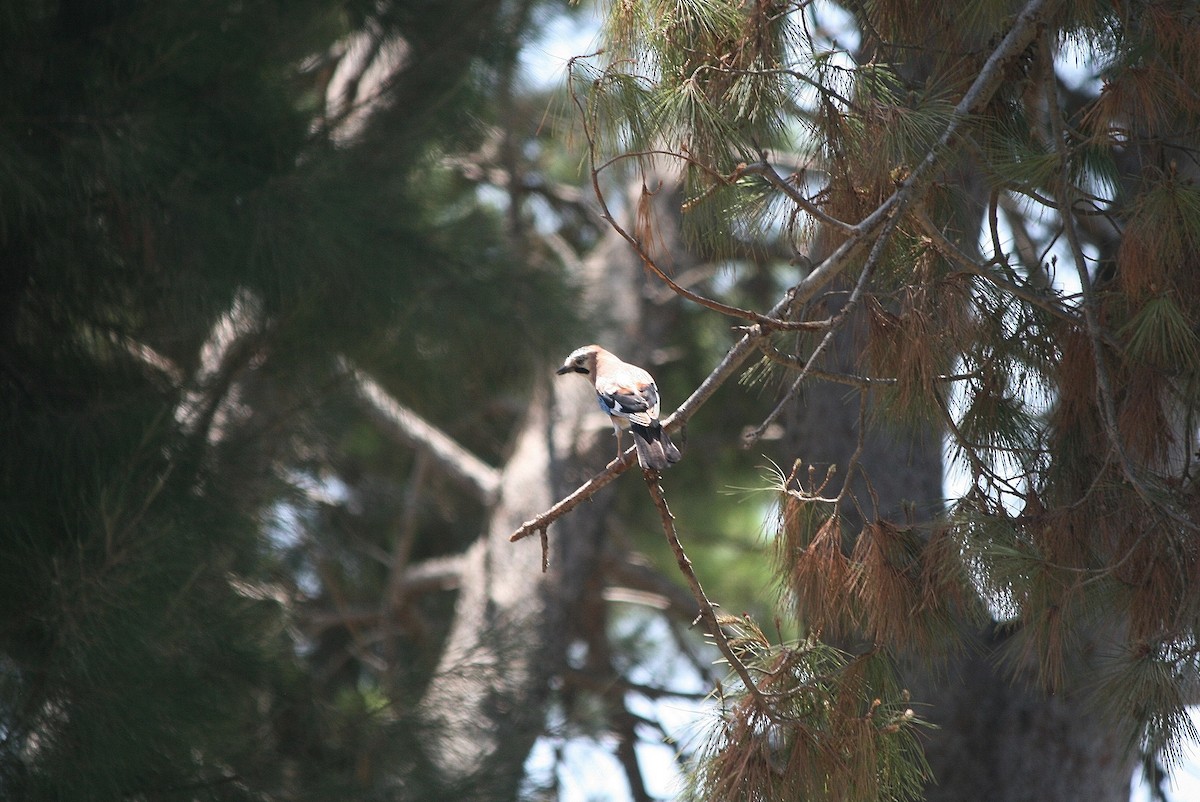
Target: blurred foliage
{"points": [[166, 179]]}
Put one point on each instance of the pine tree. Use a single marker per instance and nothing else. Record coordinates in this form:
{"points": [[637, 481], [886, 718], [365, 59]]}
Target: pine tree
{"points": [[982, 252], [197, 237], [276, 393]]}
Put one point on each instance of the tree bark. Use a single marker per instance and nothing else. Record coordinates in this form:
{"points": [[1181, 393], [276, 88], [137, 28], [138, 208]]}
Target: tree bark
{"points": [[1006, 739], [999, 734], [487, 702], [513, 624], [998, 737]]}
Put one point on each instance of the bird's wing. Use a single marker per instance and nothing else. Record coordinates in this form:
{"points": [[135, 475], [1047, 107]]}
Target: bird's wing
{"points": [[637, 402]]}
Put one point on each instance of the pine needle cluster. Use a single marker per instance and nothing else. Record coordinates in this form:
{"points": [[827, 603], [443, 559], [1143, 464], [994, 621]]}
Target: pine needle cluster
{"points": [[837, 728], [898, 586]]}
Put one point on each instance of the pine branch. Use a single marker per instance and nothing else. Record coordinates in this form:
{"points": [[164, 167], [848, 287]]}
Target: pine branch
{"points": [[1027, 253], [978, 467], [854, 466], [988, 81], [994, 72], [595, 169]]}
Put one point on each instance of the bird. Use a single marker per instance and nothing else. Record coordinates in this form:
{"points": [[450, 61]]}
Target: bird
{"points": [[629, 396]]}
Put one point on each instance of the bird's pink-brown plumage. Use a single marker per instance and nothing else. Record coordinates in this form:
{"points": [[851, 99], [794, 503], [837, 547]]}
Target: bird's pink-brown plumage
{"points": [[628, 394]]}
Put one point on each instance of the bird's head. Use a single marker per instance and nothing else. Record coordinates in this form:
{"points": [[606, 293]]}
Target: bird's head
{"points": [[582, 360]]}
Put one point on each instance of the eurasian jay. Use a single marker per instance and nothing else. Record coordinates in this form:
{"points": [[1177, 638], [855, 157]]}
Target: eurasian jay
{"points": [[629, 396]]}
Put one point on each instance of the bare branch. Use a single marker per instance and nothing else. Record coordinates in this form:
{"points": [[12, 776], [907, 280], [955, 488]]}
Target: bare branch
{"points": [[412, 430], [720, 374], [581, 493], [210, 404], [588, 680], [725, 369], [625, 724], [481, 167], [158, 364], [708, 613]]}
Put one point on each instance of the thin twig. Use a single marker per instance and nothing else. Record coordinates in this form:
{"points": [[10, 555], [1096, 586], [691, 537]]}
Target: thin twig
{"points": [[979, 468], [849, 379], [854, 466], [582, 493], [955, 254], [402, 548], [640, 249], [797, 197], [873, 257]]}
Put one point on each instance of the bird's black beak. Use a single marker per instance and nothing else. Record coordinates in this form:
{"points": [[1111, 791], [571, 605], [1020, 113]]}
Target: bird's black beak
{"points": [[571, 369]]}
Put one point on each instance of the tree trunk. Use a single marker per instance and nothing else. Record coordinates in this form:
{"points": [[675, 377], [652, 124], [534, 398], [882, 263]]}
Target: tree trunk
{"points": [[999, 734], [487, 702], [1007, 740], [998, 737]]}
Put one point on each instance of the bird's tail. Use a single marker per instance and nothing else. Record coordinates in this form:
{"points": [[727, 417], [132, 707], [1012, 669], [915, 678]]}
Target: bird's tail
{"points": [[654, 448]]}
